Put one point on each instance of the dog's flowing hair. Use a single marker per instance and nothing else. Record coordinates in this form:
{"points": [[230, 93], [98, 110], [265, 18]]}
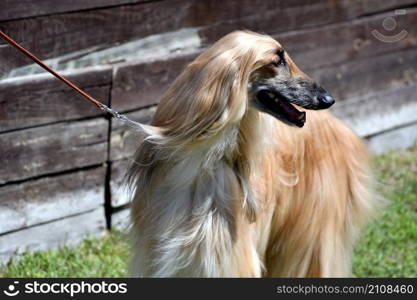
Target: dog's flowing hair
{"points": [[224, 186]]}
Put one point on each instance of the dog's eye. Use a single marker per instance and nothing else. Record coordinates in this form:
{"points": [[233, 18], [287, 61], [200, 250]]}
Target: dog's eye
{"points": [[279, 63], [281, 59]]}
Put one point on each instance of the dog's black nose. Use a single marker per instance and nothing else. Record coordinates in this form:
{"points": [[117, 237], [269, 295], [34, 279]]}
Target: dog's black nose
{"points": [[325, 101]]}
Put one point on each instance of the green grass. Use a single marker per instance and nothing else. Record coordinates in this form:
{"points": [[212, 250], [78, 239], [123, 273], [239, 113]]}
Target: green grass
{"points": [[105, 257], [388, 247]]}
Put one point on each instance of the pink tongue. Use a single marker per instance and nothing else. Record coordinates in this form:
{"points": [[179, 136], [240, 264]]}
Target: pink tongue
{"points": [[293, 113]]}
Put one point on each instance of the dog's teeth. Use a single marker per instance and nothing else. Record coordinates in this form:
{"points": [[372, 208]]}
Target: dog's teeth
{"points": [[271, 95]]}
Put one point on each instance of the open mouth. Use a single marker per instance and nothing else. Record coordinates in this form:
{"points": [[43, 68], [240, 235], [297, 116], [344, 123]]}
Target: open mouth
{"points": [[280, 108]]}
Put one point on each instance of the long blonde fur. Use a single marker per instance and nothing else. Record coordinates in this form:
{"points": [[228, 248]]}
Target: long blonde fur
{"points": [[223, 190]]}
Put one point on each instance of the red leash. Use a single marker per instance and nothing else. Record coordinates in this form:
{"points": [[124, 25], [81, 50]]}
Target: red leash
{"points": [[66, 81], [39, 62]]}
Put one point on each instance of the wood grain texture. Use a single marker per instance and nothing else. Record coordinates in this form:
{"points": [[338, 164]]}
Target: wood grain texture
{"points": [[278, 17], [51, 36], [17, 9], [53, 148], [67, 231], [378, 112], [346, 41], [360, 77], [43, 99], [50, 198], [142, 84]]}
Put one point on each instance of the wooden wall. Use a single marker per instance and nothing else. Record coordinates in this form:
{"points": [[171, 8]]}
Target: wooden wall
{"points": [[62, 160]]}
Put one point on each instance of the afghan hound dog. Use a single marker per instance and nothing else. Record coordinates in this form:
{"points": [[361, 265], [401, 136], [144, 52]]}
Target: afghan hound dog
{"points": [[232, 178]]}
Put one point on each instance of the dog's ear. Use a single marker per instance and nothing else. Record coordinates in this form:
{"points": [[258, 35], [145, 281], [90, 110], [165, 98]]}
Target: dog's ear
{"points": [[207, 97], [222, 97]]}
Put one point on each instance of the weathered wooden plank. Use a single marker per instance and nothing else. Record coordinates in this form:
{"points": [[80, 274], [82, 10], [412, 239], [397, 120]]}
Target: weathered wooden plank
{"points": [[118, 191], [139, 85], [368, 75], [42, 99], [53, 148], [327, 45], [39, 201], [294, 16], [371, 114], [68, 231], [51, 36], [17, 9], [396, 139], [123, 140], [121, 220]]}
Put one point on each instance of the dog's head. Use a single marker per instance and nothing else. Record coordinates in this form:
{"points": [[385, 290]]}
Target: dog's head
{"points": [[278, 84], [241, 71]]}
